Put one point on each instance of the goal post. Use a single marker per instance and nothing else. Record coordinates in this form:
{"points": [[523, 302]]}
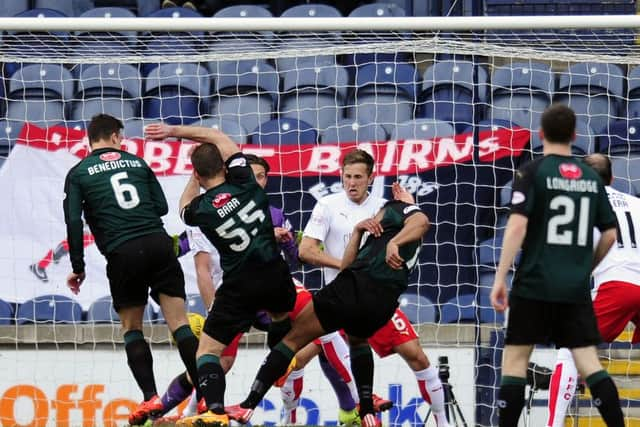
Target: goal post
{"points": [[449, 107]]}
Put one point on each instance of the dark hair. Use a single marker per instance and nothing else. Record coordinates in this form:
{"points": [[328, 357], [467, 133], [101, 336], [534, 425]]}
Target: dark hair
{"points": [[602, 165], [558, 124], [207, 160], [252, 159], [102, 126], [359, 156]]}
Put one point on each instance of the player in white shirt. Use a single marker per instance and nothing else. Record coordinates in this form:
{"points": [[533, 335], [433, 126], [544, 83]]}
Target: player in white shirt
{"points": [[330, 226], [616, 292]]}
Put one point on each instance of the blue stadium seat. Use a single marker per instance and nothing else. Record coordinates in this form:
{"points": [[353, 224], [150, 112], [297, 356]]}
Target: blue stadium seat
{"points": [[13, 7], [594, 91], [101, 40], [311, 11], [422, 129], [38, 92], [175, 92], [243, 11], [585, 142], [448, 92], [349, 130], [315, 96], [284, 131], [108, 88], [489, 253], [419, 309], [459, 309], [246, 94], [6, 313], [384, 94], [49, 309], [633, 93], [9, 131], [234, 130], [102, 311], [626, 173], [65, 6], [521, 92], [134, 128], [622, 137]]}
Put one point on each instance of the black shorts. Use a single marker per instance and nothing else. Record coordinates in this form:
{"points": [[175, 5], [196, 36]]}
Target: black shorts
{"points": [[268, 287], [355, 303], [541, 322], [143, 263]]}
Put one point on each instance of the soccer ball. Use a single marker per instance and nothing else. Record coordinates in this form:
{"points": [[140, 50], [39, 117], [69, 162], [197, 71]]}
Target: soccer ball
{"points": [[196, 323]]}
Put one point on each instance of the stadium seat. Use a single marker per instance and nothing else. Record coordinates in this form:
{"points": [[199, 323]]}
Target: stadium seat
{"points": [[489, 253], [6, 313], [65, 6], [134, 128], [101, 41], [449, 92], [422, 129], [284, 131], [108, 88], [585, 142], [315, 95], [594, 91], [418, 309], [349, 130], [243, 11], [459, 309], [311, 11], [384, 94], [626, 171], [521, 92], [232, 129], [245, 95], [622, 137], [13, 7], [193, 304], [633, 93], [487, 312], [49, 309], [9, 131], [38, 92], [173, 93], [102, 311]]}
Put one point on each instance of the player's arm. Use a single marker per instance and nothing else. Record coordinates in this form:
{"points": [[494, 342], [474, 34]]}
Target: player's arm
{"points": [[204, 277], [72, 206], [190, 192], [371, 225], [607, 238], [157, 195], [194, 133], [414, 228]]}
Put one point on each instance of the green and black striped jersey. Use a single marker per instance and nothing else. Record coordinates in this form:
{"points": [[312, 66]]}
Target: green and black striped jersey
{"points": [[564, 200], [120, 197], [235, 217]]}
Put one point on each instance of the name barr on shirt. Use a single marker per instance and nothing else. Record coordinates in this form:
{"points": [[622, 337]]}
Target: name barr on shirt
{"points": [[225, 204]]}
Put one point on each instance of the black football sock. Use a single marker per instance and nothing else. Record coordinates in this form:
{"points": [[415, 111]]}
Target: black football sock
{"points": [[605, 398], [140, 362], [187, 347], [510, 400], [274, 366], [362, 368], [212, 382], [277, 331]]}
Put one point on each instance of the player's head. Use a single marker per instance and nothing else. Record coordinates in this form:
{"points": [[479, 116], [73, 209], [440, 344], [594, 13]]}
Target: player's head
{"points": [[602, 165], [558, 125], [105, 129], [357, 174], [260, 168], [207, 162]]}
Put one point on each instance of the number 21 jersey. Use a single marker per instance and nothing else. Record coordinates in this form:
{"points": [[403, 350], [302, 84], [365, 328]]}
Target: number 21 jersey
{"points": [[564, 200], [235, 217]]}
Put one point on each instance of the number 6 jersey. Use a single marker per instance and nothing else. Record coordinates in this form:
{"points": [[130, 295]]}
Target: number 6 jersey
{"points": [[564, 200], [235, 217]]}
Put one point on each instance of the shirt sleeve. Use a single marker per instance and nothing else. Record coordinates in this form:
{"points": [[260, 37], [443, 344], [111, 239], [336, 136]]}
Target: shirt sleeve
{"points": [[522, 193], [319, 222], [404, 209], [189, 213], [238, 170], [73, 218], [605, 217]]}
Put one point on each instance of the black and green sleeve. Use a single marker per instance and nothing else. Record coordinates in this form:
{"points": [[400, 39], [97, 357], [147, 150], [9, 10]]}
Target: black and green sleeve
{"points": [[73, 218]]}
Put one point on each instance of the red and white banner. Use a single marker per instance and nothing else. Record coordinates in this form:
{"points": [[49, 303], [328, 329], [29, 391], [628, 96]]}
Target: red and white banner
{"points": [[32, 181]]}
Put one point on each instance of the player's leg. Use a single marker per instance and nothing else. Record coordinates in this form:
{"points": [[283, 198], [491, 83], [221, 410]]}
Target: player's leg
{"points": [[362, 368], [515, 360], [562, 388], [603, 389], [336, 350], [292, 388]]}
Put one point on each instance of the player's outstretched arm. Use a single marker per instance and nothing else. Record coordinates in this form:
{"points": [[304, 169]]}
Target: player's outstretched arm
{"points": [[607, 238], [513, 237], [414, 229], [194, 133], [204, 277], [191, 191], [72, 206]]}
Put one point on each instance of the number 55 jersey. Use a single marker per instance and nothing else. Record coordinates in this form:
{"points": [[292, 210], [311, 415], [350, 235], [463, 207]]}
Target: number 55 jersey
{"points": [[235, 217], [564, 199]]}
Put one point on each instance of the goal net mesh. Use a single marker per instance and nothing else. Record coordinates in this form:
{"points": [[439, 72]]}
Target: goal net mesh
{"points": [[450, 115]]}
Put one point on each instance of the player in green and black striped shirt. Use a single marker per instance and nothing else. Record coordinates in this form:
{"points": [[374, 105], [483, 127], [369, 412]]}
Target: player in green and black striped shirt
{"points": [[123, 203], [556, 202]]}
